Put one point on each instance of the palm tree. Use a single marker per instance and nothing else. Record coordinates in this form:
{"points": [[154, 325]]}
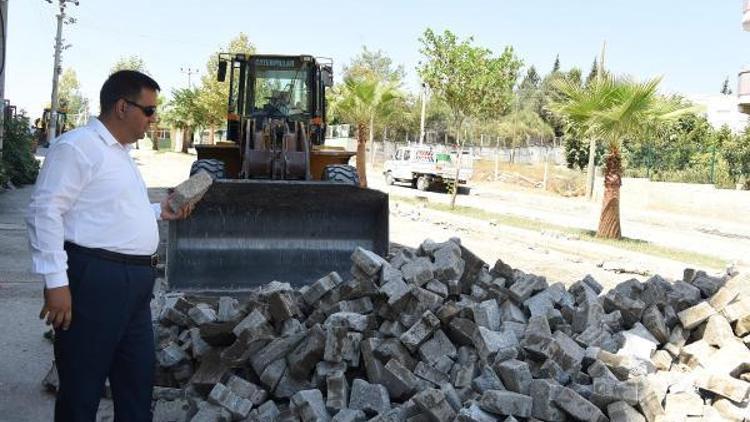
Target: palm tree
{"points": [[613, 109], [361, 101]]}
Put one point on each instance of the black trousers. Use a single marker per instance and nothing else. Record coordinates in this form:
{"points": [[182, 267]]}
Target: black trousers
{"points": [[110, 336]]}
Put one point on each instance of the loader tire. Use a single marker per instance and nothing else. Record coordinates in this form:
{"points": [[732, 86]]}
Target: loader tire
{"points": [[341, 173], [215, 168]]}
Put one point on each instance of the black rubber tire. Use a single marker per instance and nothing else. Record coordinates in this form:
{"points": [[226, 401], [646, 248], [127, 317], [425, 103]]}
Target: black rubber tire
{"points": [[215, 168], [423, 183], [389, 180], [341, 173]]}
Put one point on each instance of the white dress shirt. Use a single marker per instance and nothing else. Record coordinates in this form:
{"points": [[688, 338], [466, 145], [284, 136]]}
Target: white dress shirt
{"points": [[89, 192]]}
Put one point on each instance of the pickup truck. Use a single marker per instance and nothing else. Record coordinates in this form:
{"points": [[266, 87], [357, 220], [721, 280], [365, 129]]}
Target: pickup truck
{"points": [[426, 167]]}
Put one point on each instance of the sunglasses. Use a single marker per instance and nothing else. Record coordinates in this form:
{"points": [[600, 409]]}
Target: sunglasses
{"points": [[148, 111]]}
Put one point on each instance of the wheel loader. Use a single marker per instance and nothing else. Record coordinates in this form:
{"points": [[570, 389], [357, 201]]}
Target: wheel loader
{"points": [[283, 205]]}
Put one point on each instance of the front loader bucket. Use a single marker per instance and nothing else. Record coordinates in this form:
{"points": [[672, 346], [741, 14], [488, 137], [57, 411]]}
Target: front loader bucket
{"points": [[246, 233]]}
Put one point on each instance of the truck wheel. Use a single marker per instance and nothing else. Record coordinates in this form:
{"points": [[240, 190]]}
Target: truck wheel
{"points": [[423, 183], [215, 168], [341, 173], [389, 179]]}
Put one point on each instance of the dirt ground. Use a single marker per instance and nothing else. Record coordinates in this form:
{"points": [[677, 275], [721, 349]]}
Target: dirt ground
{"points": [[558, 257]]}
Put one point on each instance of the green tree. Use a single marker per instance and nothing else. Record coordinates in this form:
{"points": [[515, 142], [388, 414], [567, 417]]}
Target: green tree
{"points": [[593, 72], [523, 125], [360, 101], [185, 111], [473, 82], [725, 87], [71, 99], [736, 152], [18, 163], [133, 62], [531, 81], [556, 65], [214, 94], [374, 64], [613, 110]]}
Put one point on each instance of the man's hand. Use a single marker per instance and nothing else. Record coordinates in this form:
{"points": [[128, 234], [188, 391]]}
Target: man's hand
{"points": [[168, 214], [57, 307]]}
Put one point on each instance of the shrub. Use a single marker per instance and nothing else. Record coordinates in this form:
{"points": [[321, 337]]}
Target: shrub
{"points": [[20, 165]]}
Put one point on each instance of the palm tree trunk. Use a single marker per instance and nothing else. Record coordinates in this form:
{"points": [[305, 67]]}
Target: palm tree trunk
{"points": [[609, 222], [590, 173], [154, 140], [361, 154]]}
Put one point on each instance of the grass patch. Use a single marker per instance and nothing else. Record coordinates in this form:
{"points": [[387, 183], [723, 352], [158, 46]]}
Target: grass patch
{"points": [[634, 245]]}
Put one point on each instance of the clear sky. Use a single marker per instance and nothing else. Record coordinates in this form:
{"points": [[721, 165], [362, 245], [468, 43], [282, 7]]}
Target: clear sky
{"points": [[693, 44]]}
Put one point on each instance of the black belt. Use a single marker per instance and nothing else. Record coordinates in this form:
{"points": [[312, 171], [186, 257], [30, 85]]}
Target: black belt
{"points": [[145, 260]]}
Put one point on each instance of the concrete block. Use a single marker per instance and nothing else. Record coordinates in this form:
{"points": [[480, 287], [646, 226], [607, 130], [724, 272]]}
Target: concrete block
{"points": [[320, 287], [725, 386], [282, 306], [462, 331], [202, 314], [399, 380], [487, 380], [487, 314], [350, 320], [418, 271], [649, 402], [448, 263], [654, 321], [578, 407], [367, 261], [430, 374], [438, 346], [473, 413], [620, 411], [683, 405], [737, 309], [349, 415], [190, 191], [543, 392], [170, 355], [302, 360], [420, 331], [369, 398], [229, 309], [707, 285], [511, 312], [488, 342], [717, 331], [524, 285], [515, 375], [276, 349], [309, 406], [662, 360], [222, 396], [255, 321], [434, 404], [694, 316], [506, 403], [723, 297]]}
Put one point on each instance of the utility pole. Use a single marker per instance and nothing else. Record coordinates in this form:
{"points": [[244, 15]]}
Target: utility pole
{"points": [[189, 71], [57, 69], [421, 119], [3, 44]]}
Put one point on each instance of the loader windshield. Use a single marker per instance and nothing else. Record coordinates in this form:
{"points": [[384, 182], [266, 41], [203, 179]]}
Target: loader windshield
{"points": [[282, 92]]}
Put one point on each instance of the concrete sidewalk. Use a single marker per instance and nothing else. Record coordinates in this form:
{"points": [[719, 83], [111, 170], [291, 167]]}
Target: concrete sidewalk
{"points": [[25, 354]]}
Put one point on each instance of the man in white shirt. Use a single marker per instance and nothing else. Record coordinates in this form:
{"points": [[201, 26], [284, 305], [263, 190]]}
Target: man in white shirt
{"points": [[93, 235]]}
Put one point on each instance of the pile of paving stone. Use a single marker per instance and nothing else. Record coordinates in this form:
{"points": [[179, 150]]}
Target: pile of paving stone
{"points": [[435, 334]]}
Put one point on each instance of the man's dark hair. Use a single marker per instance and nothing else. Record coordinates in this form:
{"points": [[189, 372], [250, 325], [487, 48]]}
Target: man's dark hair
{"points": [[124, 84]]}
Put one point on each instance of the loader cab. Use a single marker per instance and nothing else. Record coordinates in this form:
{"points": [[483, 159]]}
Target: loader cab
{"points": [[275, 87]]}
